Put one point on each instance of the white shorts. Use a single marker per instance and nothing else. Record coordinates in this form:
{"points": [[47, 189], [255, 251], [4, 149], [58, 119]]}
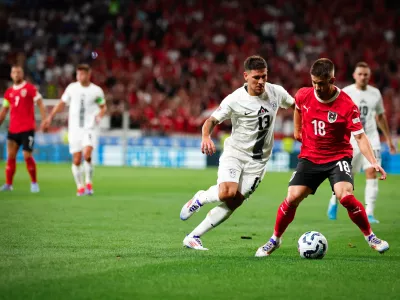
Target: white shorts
{"points": [[81, 138], [247, 172], [359, 161]]}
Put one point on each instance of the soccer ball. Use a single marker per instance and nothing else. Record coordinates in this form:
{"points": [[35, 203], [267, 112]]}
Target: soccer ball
{"points": [[312, 245]]}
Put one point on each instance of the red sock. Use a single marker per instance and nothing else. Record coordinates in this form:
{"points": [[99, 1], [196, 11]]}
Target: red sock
{"points": [[31, 166], [10, 170], [357, 213], [284, 217]]}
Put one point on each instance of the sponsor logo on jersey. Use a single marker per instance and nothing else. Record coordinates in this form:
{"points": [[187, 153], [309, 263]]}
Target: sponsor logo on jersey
{"points": [[356, 120], [23, 92], [247, 113], [262, 111], [332, 116], [306, 108], [232, 172]]}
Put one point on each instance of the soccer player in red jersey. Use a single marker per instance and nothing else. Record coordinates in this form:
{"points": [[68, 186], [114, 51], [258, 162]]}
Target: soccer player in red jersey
{"points": [[327, 117], [20, 100]]}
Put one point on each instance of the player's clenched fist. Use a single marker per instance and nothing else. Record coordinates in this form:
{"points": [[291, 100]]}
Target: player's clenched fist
{"points": [[207, 146]]}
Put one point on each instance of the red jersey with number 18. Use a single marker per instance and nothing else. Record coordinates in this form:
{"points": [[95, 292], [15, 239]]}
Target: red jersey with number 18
{"points": [[327, 125], [21, 100]]}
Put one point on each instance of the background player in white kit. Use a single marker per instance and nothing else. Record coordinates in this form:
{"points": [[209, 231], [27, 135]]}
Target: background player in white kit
{"points": [[86, 108], [252, 110], [372, 113]]}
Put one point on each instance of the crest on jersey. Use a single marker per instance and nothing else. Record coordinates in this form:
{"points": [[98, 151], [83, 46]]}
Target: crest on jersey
{"points": [[274, 105], [262, 111], [23, 92], [232, 172], [332, 116]]}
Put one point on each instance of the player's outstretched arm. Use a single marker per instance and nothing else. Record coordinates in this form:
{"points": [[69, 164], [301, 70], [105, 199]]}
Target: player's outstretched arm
{"points": [[297, 124], [384, 126], [366, 149], [4, 111], [42, 110], [58, 108], [3, 114], [207, 145]]}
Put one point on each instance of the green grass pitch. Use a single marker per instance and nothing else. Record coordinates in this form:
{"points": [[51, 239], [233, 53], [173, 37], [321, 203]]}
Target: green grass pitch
{"points": [[125, 242]]}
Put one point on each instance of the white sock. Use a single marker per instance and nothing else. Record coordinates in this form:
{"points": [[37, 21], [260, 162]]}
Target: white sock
{"points": [[333, 200], [367, 236], [214, 217], [275, 238], [88, 171], [210, 196], [371, 192], [77, 173]]}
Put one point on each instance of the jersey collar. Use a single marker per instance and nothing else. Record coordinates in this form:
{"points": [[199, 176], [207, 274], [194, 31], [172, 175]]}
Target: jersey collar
{"points": [[263, 96], [330, 100], [17, 87]]}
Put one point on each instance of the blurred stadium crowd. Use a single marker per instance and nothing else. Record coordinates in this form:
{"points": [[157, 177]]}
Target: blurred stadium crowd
{"points": [[169, 62]]}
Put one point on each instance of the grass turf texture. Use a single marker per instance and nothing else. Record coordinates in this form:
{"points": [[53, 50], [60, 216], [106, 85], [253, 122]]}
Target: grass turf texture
{"points": [[126, 241]]}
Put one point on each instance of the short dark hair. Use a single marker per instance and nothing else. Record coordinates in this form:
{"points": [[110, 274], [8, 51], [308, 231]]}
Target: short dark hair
{"points": [[322, 68], [254, 62], [17, 66], [83, 67], [361, 64]]}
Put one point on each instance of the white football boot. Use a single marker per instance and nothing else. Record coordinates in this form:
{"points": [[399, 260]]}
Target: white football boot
{"points": [[6, 187], [268, 248], [377, 244], [193, 242], [192, 206], [35, 187]]}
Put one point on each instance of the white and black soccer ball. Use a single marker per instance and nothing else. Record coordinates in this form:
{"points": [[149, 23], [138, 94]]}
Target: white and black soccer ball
{"points": [[312, 245]]}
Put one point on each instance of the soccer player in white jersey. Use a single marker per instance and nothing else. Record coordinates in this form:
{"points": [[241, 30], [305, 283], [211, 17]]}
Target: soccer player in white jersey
{"points": [[252, 110], [372, 113], [86, 108]]}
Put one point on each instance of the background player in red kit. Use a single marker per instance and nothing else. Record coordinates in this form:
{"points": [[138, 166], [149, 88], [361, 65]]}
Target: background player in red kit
{"points": [[327, 117], [20, 100]]}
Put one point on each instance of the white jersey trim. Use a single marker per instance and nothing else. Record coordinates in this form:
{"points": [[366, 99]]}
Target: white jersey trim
{"points": [[37, 97], [330, 100], [19, 86], [357, 132]]}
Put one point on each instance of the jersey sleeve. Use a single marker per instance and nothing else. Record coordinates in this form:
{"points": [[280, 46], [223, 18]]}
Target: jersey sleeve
{"points": [[66, 97], [35, 94], [298, 99], [354, 122], [100, 100], [379, 106], [286, 100], [224, 111]]}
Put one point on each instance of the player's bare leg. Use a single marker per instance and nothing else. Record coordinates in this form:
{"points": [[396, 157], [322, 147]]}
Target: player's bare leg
{"points": [[231, 198], [88, 169], [12, 150], [77, 172], [371, 193], [285, 216], [31, 167], [356, 211]]}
